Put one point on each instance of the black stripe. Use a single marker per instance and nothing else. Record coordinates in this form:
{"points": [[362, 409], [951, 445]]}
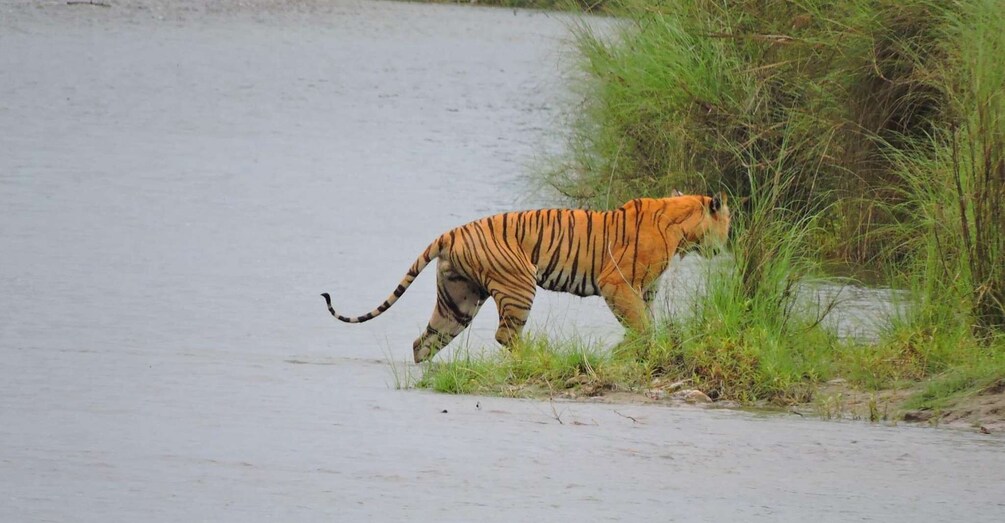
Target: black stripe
{"points": [[603, 245], [575, 266], [521, 223], [638, 227], [535, 253], [546, 274], [572, 228]]}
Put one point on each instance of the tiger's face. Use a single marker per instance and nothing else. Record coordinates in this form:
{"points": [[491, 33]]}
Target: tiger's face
{"points": [[717, 222], [709, 233]]}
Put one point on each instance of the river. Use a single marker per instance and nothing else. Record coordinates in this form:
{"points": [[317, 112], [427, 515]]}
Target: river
{"points": [[179, 181]]}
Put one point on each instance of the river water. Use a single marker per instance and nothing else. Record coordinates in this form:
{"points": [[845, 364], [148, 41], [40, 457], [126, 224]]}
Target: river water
{"points": [[178, 182]]}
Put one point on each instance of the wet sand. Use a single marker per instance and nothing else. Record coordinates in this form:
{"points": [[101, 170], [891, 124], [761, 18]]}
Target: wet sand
{"points": [[179, 181]]}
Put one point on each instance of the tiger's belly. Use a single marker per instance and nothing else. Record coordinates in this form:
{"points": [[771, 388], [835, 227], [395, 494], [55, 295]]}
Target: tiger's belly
{"points": [[579, 284]]}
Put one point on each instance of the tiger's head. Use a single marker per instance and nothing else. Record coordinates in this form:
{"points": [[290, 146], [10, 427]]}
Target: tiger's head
{"points": [[708, 227]]}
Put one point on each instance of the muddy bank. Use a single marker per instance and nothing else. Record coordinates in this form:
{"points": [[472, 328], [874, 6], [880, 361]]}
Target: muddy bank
{"points": [[835, 400]]}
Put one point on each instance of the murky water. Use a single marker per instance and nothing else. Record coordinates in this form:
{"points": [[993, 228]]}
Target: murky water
{"points": [[179, 181]]}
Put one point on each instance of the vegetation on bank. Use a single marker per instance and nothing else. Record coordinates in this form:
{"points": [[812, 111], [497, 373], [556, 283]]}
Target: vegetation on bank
{"points": [[866, 132]]}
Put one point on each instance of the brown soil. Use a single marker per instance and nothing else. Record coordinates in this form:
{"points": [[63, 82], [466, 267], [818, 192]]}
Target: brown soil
{"points": [[985, 412], [833, 400]]}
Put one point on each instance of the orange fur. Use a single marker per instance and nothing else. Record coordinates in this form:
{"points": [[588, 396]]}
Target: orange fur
{"points": [[616, 254]]}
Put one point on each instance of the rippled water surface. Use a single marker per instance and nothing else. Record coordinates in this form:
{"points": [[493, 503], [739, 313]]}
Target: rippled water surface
{"points": [[179, 181]]}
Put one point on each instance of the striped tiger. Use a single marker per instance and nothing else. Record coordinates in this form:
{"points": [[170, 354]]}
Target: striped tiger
{"points": [[616, 254]]}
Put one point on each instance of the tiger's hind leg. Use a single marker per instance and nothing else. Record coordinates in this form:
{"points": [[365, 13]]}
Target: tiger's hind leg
{"points": [[458, 300]]}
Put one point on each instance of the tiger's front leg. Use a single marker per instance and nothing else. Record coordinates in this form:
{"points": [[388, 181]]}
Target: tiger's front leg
{"points": [[458, 300], [628, 305]]}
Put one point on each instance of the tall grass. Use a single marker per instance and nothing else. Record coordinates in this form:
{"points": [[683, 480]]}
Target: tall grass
{"points": [[880, 122], [866, 131], [694, 93], [878, 112], [974, 81], [951, 212], [749, 336]]}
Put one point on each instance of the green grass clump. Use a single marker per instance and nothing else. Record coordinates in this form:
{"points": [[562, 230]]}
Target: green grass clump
{"points": [[531, 367]]}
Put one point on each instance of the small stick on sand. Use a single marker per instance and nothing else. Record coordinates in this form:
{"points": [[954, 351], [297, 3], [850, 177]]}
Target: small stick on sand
{"points": [[629, 417], [88, 2]]}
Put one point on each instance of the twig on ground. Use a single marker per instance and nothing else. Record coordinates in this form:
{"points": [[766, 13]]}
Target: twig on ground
{"points": [[94, 3], [554, 413], [629, 417]]}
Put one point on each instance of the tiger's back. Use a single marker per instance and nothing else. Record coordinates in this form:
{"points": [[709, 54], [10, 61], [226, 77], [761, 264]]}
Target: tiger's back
{"points": [[570, 249], [564, 246]]}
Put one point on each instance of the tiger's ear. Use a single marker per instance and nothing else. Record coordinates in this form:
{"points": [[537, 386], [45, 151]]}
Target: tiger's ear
{"points": [[674, 193], [717, 202]]}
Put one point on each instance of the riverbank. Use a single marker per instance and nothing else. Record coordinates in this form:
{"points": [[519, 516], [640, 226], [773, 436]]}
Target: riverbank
{"points": [[863, 135], [541, 369]]}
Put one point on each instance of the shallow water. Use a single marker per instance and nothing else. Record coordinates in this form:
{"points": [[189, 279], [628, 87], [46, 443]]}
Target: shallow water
{"points": [[179, 181]]}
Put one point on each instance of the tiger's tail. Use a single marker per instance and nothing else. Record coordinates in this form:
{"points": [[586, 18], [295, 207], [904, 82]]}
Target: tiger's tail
{"points": [[420, 263]]}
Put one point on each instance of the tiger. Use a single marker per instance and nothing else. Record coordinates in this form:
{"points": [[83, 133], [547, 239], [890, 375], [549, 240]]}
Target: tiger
{"points": [[617, 254]]}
